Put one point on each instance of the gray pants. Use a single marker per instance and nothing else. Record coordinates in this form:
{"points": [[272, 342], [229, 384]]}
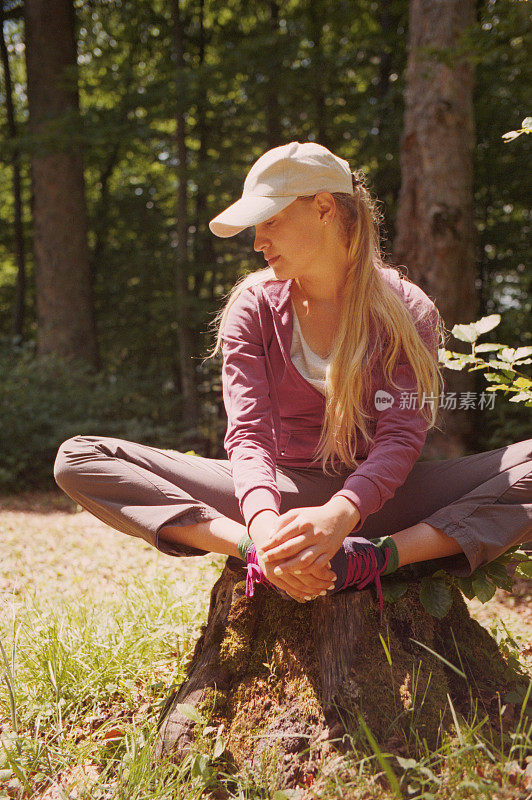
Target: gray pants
{"points": [[483, 501]]}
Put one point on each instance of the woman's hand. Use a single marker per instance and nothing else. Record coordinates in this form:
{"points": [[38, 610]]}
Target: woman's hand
{"points": [[300, 587], [307, 538]]}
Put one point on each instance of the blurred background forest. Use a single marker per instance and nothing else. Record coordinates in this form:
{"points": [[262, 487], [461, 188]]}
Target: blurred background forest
{"points": [[125, 126]]}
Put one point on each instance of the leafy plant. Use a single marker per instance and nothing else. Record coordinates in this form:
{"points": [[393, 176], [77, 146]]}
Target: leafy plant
{"points": [[526, 127], [436, 590], [499, 368]]}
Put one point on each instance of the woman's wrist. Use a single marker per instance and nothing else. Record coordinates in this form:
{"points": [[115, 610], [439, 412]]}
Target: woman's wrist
{"points": [[346, 512], [262, 526]]}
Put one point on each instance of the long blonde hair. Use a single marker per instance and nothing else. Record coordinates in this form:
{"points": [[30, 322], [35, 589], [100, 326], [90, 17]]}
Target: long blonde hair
{"points": [[374, 324]]}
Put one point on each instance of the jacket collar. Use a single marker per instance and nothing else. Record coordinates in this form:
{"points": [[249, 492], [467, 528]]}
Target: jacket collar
{"points": [[277, 293]]}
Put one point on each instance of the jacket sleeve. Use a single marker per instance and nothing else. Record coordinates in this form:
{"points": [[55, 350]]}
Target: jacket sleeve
{"points": [[400, 433], [250, 439]]}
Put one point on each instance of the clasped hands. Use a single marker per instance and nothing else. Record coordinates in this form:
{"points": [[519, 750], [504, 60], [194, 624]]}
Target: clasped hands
{"points": [[294, 549]]}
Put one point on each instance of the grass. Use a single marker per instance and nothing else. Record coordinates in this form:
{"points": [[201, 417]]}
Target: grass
{"points": [[96, 629]]}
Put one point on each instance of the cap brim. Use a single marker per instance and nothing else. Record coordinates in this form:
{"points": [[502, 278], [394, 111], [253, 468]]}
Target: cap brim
{"points": [[249, 210]]}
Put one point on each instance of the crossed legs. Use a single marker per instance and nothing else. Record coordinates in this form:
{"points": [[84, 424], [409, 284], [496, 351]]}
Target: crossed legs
{"points": [[473, 508]]}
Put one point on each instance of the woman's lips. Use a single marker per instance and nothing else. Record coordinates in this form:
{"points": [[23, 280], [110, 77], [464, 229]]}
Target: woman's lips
{"points": [[272, 260]]}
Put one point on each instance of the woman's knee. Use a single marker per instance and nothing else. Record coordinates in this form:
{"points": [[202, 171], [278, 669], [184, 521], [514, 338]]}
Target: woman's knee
{"points": [[68, 459], [518, 453]]}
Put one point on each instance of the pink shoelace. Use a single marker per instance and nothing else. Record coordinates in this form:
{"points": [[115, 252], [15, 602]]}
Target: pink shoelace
{"points": [[362, 569], [254, 573]]}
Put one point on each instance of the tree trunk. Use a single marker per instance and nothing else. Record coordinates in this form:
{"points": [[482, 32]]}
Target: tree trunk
{"points": [[273, 111], [65, 307], [18, 229], [185, 334], [287, 681], [435, 231], [204, 257]]}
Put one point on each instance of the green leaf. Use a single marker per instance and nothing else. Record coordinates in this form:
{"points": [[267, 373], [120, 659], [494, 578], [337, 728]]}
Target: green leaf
{"points": [[487, 347], [219, 747], [523, 383], [381, 758], [499, 575], [406, 763], [507, 354], [527, 123], [435, 596], [466, 587], [521, 397], [387, 652], [190, 712], [523, 352], [524, 570], [485, 324], [484, 589], [466, 333], [454, 365], [440, 658], [200, 767], [501, 365], [392, 589], [513, 697], [494, 377]]}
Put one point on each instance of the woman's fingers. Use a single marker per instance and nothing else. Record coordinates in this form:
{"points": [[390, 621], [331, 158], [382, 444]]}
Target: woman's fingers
{"points": [[323, 560], [312, 560], [281, 537], [300, 595], [288, 548], [305, 582], [286, 518], [303, 585]]}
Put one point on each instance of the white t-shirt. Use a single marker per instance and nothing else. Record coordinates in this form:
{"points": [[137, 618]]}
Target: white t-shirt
{"points": [[312, 366]]}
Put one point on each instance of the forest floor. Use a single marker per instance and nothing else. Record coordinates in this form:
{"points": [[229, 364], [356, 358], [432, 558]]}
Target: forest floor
{"points": [[96, 627]]}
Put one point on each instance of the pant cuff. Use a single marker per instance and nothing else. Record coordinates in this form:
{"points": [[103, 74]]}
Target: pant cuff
{"points": [[462, 564], [189, 516]]}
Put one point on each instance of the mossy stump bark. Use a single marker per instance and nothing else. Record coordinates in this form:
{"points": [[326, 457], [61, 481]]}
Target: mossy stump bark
{"points": [[288, 681]]}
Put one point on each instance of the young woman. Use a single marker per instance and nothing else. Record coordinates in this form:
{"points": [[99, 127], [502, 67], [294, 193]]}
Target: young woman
{"points": [[330, 383]]}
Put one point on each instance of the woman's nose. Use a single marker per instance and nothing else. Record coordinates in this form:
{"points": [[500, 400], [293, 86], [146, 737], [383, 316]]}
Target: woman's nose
{"points": [[260, 241]]}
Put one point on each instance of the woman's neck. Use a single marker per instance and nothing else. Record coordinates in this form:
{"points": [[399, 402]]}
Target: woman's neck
{"points": [[318, 292]]}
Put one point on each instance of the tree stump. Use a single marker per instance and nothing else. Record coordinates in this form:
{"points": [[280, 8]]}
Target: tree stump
{"points": [[288, 681]]}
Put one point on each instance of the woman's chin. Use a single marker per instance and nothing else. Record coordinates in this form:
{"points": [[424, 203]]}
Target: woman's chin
{"points": [[281, 272]]}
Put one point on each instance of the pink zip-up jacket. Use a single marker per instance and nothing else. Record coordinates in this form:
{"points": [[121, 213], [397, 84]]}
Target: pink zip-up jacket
{"points": [[275, 415]]}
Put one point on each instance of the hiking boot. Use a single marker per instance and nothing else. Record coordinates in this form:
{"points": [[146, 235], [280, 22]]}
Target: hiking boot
{"points": [[358, 563]]}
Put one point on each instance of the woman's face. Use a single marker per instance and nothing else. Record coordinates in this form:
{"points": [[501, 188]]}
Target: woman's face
{"points": [[292, 241]]}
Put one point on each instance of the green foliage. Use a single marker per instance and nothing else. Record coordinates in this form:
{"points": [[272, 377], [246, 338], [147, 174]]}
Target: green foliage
{"points": [[331, 73], [44, 401], [436, 588], [435, 595], [500, 368], [500, 371], [526, 127]]}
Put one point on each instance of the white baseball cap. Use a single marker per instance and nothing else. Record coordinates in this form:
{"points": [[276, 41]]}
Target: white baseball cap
{"points": [[278, 178]]}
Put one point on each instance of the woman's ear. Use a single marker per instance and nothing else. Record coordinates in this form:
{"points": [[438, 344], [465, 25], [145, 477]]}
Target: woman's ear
{"points": [[326, 206]]}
